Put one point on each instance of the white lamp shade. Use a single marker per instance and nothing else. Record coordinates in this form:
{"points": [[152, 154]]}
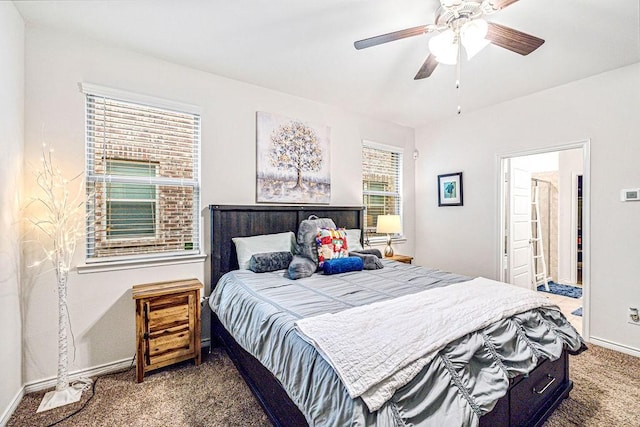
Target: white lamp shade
{"points": [[444, 47], [472, 36], [389, 224], [475, 47]]}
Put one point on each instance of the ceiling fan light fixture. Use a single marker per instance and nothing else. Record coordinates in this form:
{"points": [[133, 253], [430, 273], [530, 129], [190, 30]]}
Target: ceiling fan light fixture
{"points": [[474, 29], [450, 57], [474, 47], [473, 36], [444, 47]]}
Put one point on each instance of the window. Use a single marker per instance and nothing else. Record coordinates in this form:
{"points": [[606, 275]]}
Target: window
{"points": [[142, 176], [381, 183], [131, 208]]}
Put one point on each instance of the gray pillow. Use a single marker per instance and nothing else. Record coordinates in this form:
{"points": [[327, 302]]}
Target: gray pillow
{"points": [[370, 261], [375, 252], [300, 267], [269, 261], [307, 231]]}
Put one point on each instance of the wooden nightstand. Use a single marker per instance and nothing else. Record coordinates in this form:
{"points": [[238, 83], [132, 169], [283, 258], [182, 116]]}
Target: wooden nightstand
{"points": [[167, 324], [401, 258]]}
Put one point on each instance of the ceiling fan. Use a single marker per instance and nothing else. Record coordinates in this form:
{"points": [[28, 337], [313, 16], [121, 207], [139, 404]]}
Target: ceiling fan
{"points": [[460, 22]]}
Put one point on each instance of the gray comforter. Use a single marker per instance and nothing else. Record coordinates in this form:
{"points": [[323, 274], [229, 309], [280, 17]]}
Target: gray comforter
{"points": [[456, 388]]}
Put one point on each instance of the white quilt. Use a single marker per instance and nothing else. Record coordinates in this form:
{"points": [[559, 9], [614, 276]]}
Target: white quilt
{"points": [[378, 348]]}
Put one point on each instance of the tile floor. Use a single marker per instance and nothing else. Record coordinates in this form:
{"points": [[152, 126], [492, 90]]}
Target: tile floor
{"points": [[567, 305]]}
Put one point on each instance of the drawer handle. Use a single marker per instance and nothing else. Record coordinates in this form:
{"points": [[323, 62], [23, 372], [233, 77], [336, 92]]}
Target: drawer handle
{"points": [[552, 380]]}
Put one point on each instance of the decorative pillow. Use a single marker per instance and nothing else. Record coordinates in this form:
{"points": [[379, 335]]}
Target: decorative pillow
{"points": [[307, 231], [342, 265], [353, 239], [301, 267], [270, 261], [371, 262], [331, 243], [372, 251], [247, 246]]}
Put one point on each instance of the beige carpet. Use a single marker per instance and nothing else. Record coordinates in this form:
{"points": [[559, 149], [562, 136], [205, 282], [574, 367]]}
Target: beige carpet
{"points": [[606, 393], [212, 394]]}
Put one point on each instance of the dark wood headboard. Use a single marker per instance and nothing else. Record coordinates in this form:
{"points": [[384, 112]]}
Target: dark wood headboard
{"points": [[229, 221]]}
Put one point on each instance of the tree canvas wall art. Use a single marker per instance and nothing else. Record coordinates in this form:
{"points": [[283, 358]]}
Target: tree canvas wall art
{"points": [[292, 161]]}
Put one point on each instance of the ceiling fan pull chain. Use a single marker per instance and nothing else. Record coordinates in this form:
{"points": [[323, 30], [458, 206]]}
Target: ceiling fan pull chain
{"points": [[458, 79]]}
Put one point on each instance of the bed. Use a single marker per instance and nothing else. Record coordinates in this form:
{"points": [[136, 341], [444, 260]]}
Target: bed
{"points": [[529, 399]]}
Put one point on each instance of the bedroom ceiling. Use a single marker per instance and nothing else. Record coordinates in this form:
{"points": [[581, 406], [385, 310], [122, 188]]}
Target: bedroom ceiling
{"points": [[305, 48]]}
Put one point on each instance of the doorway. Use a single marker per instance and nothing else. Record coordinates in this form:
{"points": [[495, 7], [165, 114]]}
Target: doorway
{"points": [[544, 225]]}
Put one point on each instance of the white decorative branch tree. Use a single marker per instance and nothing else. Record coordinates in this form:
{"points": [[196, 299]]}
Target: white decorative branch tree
{"points": [[59, 219]]}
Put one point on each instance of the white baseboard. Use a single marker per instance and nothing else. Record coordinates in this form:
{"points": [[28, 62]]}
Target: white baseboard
{"points": [[73, 376], [51, 382], [4, 419], [89, 372], [614, 346]]}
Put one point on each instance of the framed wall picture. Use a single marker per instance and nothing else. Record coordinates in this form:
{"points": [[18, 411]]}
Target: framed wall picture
{"points": [[292, 160], [450, 189]]}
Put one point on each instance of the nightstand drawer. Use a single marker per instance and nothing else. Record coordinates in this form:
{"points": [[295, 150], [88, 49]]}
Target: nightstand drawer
{"points": [[163, 316], [170, 345], [168, 301]]}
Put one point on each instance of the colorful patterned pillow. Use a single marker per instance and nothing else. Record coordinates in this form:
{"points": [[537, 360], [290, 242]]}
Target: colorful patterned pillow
{"points": [[331, 243]]}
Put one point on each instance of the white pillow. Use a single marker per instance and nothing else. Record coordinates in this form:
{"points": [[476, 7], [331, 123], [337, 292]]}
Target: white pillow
{"points": [[353, 239], [248, 246]]}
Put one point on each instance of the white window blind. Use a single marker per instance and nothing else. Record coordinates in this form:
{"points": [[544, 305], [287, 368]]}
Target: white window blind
{"points": [[142, 179], [381, 183]]}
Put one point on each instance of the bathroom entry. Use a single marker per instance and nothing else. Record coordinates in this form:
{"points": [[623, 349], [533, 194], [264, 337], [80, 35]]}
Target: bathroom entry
{"points": [[542, 228], [542, 237]]}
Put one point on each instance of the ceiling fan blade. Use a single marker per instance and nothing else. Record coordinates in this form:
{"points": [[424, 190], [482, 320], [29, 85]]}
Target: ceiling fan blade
{"points": [[513, 40], [427, 68], [389, 37], [501, 4]]}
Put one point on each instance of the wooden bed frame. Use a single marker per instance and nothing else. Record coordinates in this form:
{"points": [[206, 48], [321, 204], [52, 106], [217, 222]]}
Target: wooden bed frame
{"points": [[529, 401]]}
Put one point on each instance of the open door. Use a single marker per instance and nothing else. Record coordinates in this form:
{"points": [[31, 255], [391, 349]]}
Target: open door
{"points": [[515, 172], [518, 186]]}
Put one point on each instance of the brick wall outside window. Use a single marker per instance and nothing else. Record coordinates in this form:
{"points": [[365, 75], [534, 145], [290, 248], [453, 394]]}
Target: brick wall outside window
{"points": [[122, 133], [381, 184]]}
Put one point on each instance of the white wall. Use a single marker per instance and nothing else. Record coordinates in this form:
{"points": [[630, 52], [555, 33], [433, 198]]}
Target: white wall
{"points": [[11, 146], [604, 109], [544, 162], [100, 304], [570, 162]]}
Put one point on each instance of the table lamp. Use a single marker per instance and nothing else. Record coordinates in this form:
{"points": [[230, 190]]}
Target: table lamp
{"points": [[389, 224]]}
